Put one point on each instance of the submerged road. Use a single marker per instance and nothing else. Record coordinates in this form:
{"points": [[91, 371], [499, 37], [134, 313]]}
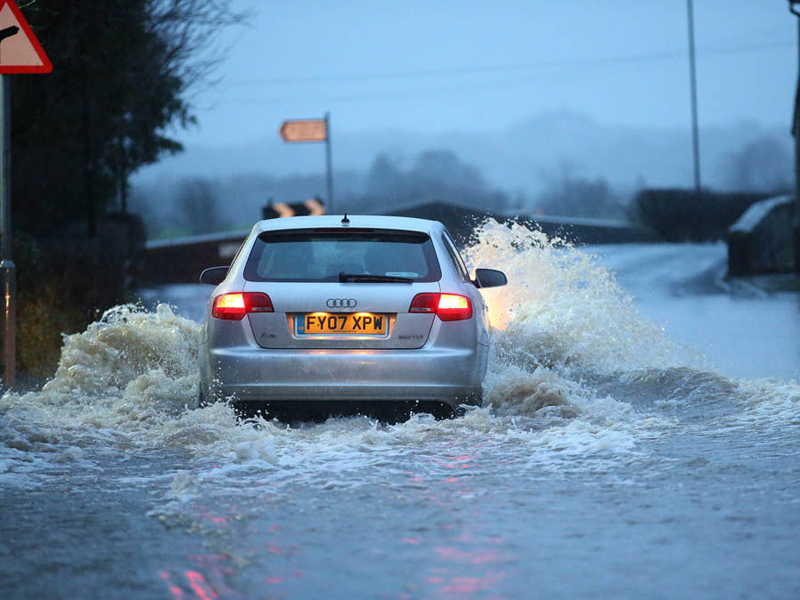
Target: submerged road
{"points": [[643, 447]]}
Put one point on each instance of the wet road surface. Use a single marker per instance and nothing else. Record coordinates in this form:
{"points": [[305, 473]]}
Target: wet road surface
{"points": [[614, 459]]}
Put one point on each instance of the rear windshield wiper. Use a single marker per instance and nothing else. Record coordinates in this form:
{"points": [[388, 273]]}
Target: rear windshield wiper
{"points": [[367, 278]]}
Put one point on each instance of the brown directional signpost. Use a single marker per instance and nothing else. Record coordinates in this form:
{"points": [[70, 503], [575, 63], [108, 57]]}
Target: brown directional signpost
{"points": [[312, 130], [20, 52]]}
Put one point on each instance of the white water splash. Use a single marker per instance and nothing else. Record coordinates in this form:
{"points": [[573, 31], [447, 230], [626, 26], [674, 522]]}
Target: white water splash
{"points": [[562, 308], [563, 325]]}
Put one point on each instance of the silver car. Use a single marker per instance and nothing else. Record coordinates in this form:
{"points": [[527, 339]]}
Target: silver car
{"points": [[346, 315]]}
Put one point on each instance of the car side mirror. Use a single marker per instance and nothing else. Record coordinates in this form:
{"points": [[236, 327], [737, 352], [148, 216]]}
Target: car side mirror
{"points": [[486, 278], [214, 275]]}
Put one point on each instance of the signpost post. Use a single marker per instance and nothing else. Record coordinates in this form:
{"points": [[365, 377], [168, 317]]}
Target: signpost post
{"points": [[20, 52], [313, 130], [328, 167]]}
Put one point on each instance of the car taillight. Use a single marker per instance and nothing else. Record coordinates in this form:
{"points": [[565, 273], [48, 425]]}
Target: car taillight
{"points": [[453, 307], [448, 307], [235, 306]]}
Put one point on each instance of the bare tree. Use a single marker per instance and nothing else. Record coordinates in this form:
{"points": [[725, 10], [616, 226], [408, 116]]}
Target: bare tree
{"points": [[187, 57], [569, 194], [190, 30], [762, 165], [197, 208]]}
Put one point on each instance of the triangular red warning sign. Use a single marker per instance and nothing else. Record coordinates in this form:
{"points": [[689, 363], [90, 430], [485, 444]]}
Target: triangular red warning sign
{"points": [[20, 51]]}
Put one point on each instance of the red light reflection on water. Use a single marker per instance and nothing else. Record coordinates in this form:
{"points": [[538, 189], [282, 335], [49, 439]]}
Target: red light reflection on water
{"points": [[177, 593], [192, 584], [450, 462], [473, 585], [477, 557], [219, 520], [472, 566], [451, 585], [199, 586]]}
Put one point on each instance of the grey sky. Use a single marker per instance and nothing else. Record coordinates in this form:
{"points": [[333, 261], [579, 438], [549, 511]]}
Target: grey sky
{"points": [[468, 65]]}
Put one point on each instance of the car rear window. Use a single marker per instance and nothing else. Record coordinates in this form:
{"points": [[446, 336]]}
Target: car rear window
{"points": [[320, 255]]}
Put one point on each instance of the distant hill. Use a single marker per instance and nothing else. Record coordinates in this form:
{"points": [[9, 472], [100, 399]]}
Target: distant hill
{"points": [[519, 158]]}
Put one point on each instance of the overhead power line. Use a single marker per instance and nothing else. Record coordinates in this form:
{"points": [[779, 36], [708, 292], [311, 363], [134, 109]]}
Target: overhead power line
{"points": [[500, 68], [521, 78]]}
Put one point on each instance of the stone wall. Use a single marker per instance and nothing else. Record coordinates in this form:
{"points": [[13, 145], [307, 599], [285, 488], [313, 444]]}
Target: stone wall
{"points": [[761, 240]]}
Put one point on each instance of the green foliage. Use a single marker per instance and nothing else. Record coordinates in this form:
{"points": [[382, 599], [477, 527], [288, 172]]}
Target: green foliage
{"points": [[121, 69], [66, 282], [42, 312], [100, 115], [40, 322]]}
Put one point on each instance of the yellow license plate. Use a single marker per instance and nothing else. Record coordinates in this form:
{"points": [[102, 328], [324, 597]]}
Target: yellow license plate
{"points": [[345, 324]]}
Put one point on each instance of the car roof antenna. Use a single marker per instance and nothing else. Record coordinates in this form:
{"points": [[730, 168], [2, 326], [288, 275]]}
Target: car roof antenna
{"points": [[345, 220]]}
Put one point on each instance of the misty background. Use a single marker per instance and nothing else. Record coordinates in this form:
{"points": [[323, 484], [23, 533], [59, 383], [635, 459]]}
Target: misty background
{"points": [[532, 107]]}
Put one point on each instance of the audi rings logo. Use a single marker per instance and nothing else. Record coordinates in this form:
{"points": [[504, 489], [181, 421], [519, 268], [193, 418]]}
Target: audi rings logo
{"points": [[341, 303]]}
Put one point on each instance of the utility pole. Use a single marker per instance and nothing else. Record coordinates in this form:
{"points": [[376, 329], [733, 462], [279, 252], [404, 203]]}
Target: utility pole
{"points": [[796, 134], [21, 53], [7, 266], [693, 82]]}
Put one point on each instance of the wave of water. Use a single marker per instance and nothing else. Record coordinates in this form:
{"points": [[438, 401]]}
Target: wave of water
{"points": [[577, 378]]}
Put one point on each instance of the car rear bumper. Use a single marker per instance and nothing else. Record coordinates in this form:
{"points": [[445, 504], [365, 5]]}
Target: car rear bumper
{"points": [[247, 374]]}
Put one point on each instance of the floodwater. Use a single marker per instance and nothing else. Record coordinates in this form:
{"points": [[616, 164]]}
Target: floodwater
{"points": [[640, 446]]}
